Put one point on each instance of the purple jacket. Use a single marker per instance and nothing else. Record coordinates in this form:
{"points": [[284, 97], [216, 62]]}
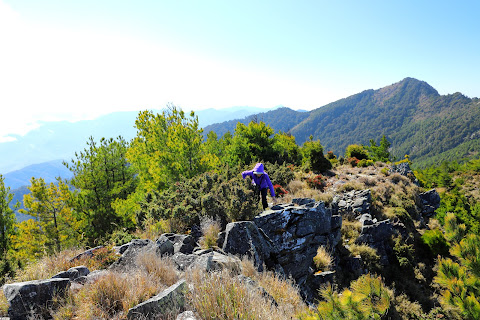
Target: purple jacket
{"points": [[263, 181]]}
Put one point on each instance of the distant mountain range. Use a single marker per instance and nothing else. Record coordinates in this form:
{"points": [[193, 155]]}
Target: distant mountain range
{"points": [[61, 139], [412, 115]]}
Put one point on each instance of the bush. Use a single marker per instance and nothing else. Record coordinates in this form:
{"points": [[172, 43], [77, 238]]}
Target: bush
{"points": [[436, 241], [279, 190], [356, 151], [207, 195], [367, 298], [369, 255], [316, 182]]}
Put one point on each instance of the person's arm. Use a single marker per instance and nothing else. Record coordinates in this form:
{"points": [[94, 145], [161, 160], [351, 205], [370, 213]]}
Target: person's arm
{"points": [[247, 173], [270, 186]]}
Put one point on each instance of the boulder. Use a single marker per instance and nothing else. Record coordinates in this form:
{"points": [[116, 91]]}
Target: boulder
{"points": [[89, 253], [355, 202], [33, 298], [165, 304], [73, 273], [216, 261], [163, 246], [183, 243], [246, 239], [128, 258], [429, 202]]}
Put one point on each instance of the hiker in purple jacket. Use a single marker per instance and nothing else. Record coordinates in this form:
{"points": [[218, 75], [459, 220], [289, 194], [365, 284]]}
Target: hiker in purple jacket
{"points": [[261, 180]]}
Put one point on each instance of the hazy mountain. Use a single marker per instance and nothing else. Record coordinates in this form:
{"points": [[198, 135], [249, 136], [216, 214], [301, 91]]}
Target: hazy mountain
{"points": [[414, 117], [49, 171], [60, 139]]}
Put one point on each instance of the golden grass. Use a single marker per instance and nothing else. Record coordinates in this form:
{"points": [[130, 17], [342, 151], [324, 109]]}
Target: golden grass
{"points": [[369, 255], [218, 295], [351, 229], [322, 260], [162, 269], [48, 266], [210, 230], [3, 305], [284, 291]]}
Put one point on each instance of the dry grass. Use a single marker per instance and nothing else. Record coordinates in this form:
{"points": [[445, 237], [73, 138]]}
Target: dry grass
{"points": [[218, 295], [114, 294], [349, 186], [162, 269], [48, 266], [210, 230], [295, 186], [351, 229], [323, 259], [284, 291]]}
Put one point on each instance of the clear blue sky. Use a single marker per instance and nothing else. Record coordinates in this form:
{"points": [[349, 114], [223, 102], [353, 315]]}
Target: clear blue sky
{"points": [[71, 60]]}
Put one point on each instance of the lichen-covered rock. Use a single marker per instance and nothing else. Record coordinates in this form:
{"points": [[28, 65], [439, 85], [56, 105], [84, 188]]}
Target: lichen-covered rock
{"points": [[355, 203], [297, 231], [378, 235], [33, 298], [129, 256], [245, 239], [183, 243], [215, 261], [429, 202], [165, 304], [73, 273]]}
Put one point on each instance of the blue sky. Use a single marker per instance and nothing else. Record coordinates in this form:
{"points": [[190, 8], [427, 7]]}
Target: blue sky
{"points": [[72, 60]]}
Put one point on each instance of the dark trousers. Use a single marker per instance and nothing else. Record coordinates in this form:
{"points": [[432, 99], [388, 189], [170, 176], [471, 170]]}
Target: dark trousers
{"points": [[263, 193]]}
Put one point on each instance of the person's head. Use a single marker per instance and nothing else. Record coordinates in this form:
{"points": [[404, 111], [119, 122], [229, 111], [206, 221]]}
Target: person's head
{"points": [[258, 174], [258, 170]]}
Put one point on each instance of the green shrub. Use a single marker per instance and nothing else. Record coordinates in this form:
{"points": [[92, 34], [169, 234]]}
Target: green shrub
{"points": [[207, 195], [436, 241], [356, 151]]}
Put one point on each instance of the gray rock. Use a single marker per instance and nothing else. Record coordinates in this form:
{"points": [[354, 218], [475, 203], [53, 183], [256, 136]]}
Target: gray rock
{"points": [[73, 273], [215, 261], [128, 258], [187, 315], [167, 303], [430, 201], [297, 232], [88, 253], [164, 246], [245, 239], [184, 261], [33, 297], [181, 242]]}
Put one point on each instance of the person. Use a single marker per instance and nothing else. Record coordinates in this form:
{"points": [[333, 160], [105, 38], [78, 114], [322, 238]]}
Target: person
{"points": [[261, 180]]}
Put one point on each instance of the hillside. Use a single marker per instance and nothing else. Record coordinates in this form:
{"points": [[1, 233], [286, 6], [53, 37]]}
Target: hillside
{"points": [[281, 119], [411, 114]]}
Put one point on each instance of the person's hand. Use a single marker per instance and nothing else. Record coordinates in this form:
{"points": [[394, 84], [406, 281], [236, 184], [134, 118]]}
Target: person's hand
{"points": [[274, 200]]}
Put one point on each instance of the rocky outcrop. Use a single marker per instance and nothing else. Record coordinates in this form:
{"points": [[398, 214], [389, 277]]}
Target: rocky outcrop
{"points": [[354, 203], [378, 236], [167, 303], [403, 168], [296, 232], [429, 202], [33, 298], [246, 239]]}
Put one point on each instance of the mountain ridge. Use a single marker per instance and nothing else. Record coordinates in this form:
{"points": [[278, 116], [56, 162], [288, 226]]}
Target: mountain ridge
{"points": [[414, 117]]}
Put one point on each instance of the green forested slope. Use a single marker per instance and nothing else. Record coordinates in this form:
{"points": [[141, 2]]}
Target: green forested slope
{"points": [[282, 119], [412, 115]]}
